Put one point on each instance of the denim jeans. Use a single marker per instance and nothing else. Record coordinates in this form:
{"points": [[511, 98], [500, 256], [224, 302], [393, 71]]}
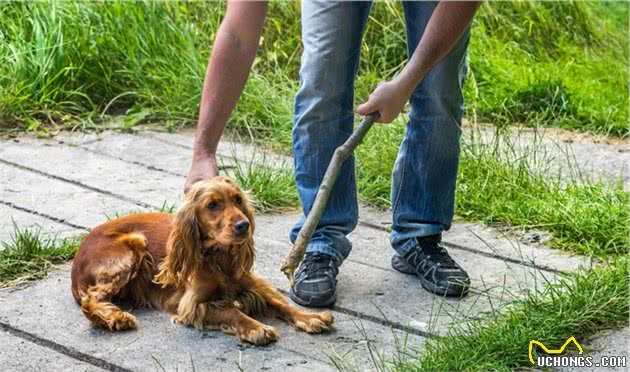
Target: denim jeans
{"points": [[424, 176]]}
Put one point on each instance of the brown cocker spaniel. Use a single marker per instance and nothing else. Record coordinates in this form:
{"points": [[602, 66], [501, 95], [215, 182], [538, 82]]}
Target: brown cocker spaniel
{"points": [[195, 264]]}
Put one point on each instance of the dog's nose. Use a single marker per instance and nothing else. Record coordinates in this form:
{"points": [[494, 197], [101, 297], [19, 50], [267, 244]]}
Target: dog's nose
{"points": [[241, 226]]}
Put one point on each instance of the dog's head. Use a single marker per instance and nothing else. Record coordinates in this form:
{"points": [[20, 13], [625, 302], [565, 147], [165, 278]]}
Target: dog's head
{"points": [[215, 218]]}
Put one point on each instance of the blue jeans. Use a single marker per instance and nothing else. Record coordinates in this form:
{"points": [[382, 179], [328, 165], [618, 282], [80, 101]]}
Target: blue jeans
{"points": [[423, 181]]}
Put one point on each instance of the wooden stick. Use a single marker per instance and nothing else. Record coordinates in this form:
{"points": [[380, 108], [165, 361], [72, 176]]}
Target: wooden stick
{"points": [[342, 153]]}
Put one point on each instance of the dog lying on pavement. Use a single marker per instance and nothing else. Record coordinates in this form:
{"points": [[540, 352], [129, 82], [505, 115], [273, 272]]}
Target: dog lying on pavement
{"points": [[195, 264]]}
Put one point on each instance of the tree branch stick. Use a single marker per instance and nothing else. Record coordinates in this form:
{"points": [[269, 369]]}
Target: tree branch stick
{"points": [[342, 153]]}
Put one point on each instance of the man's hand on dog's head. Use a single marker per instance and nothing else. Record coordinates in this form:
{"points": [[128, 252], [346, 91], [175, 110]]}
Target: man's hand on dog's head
{"points": [[202, 168]]}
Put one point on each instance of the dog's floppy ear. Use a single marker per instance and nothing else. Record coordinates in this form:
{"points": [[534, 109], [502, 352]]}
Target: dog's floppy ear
{"points": [[183, 249], [247, 253]]}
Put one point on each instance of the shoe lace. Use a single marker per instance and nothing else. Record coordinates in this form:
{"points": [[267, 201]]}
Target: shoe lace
{"points": [[438, 254], [318, 265]]}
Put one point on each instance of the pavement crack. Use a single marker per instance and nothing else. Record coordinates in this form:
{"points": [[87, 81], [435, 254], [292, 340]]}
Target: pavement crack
{"points": [[377, 320], [504, 258], [169, 142], [134, 162], [44, 215], [62, 349], [142, 164], [478, 252], [80, 184], [219, 154]]}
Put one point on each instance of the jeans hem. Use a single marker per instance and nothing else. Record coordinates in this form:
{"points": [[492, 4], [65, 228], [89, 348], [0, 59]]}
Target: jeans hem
{"points": [[315, 248], [405, 243]]}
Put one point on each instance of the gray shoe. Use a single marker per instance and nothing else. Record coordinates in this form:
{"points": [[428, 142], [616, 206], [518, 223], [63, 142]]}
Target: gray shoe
{"points": [[437, 271], [315, 282]]}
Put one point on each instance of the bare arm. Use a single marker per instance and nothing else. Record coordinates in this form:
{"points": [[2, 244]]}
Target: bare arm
{"points": [[228, 68], [446, 26]]}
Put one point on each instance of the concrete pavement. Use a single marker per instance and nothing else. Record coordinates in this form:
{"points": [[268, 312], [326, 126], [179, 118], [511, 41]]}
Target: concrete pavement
{"points": [[70, 183]]}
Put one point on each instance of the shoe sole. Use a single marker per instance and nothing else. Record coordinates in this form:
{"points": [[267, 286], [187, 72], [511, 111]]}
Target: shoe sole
{"points": [[451, 291], [300, 301]]}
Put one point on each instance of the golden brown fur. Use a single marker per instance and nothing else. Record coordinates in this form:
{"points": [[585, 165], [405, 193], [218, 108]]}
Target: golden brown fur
{"points": [[195, 264]]}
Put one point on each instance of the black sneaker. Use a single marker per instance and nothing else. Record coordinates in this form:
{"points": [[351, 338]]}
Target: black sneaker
{"points": [[315, 282], [438, 273]]}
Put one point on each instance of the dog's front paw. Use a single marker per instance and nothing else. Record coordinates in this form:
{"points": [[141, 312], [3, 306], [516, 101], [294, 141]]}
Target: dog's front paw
{"points": [[259, 335], [314, 322]]}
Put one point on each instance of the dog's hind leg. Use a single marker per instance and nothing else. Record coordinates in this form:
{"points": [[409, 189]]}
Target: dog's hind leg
{"points": [[123, 260]]}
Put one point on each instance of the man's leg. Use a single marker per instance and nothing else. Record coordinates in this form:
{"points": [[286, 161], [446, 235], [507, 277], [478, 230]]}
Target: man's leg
{"points": [[331, 35], [423, 182]]}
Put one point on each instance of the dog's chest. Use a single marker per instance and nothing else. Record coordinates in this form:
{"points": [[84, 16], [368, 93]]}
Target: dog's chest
{"points": [[229, 287]]}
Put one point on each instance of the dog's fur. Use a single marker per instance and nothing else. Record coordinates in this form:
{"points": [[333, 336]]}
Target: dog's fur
{"points": [[194, 264]]}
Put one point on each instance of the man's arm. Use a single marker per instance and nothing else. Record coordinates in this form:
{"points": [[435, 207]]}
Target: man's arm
{"points": [[447, 24], [229, 65]]}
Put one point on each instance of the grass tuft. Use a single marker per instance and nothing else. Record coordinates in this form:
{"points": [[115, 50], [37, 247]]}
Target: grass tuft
{"points": [[271, 188], [30, 255], [578, 306], [499, 184]]}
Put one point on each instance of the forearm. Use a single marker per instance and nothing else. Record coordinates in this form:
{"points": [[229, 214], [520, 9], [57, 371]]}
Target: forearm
{"points": [[446, 26], [228, 68]]}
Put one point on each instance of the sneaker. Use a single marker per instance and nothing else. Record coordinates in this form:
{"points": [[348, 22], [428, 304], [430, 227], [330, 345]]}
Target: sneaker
{"points": [[438, 273], [315, 282]]}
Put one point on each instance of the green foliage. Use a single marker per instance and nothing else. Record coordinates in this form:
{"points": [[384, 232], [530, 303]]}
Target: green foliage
{"points": [[499, 183], [539, 63], [272, 189], [29, 255], [576, 306]]}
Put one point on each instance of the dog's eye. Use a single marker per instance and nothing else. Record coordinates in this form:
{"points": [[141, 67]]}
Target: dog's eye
{"points": [[213, 206], [238, 200]]}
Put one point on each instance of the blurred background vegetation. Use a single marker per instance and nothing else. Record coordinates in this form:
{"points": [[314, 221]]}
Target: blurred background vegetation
{"points": [[72, 64]]}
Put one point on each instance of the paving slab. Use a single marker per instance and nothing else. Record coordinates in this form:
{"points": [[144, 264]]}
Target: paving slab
{"points": [[152, 187], [47, 310], [17, 354], [609, 344], [72, 184], [60, 200], [148, 152], [566, 156], [369, 286], [243, 152], [12, 217], [507, 245]]}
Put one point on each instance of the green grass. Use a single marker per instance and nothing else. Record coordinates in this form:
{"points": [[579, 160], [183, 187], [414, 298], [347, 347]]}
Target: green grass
{"points": [[67, 63], [551, 64], [272, 189], [587, 217], [578, 306], [497, 184], [30, 255]]}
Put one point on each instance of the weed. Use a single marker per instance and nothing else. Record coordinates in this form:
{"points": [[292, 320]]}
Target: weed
{"points": [[501, 183], [30, 255], [73, 64], [577, 306], [272, 188]]}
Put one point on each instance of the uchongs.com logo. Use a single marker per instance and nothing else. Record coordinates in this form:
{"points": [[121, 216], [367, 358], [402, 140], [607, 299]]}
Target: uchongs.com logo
{"points": [[554, 358]]}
